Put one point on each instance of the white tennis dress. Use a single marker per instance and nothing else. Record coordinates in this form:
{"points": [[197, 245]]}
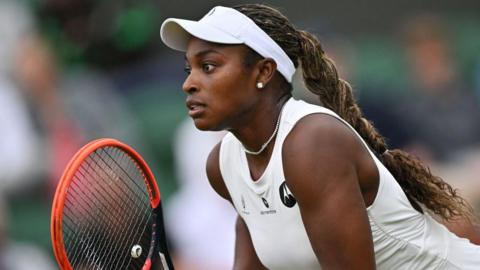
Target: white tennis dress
{"points": [[403, 238]]}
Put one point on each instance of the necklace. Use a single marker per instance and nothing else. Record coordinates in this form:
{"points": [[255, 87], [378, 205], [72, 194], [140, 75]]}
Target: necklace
{"points": [[268, 141]]}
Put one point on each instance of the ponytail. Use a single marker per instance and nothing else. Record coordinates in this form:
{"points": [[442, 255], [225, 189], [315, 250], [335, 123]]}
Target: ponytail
{"points": [[418, 183]]}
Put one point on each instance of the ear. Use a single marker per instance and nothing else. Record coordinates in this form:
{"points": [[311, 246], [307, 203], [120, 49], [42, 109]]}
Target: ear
{"points": [[266, 69]]}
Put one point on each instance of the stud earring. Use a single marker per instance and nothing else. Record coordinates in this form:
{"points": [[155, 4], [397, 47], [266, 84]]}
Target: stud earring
{"points": [[260, 85]]}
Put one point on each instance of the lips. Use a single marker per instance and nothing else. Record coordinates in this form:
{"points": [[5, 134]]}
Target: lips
{"points": [[195, 107]]}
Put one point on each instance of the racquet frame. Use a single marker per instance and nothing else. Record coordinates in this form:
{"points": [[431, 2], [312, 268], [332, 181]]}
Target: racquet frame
{"points": [[66, 179]]}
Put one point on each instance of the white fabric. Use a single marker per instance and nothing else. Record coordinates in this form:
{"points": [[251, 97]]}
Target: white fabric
{"points": [[226, 26], [200, 223], [403, 238], [19, 146]]}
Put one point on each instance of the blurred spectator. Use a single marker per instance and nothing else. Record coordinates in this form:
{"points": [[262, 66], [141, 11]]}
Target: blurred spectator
{"points": [[442, 114], [37, 73], [70, 107], [21, 164], [200, 223]]}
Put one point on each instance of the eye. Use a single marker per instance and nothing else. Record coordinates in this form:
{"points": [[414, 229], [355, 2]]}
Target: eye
{"points": [[207, 67], [187, 69]]}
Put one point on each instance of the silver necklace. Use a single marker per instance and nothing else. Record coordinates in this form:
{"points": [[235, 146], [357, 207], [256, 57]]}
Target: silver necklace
{"points": [[255, 153]]}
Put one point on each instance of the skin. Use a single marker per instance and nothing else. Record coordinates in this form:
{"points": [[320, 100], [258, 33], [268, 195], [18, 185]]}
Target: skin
{"points": [[327, 168]]}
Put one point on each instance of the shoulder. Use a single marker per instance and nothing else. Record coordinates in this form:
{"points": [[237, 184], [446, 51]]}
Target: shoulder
{"points": [[214, 174], [321, 134], [321, 152], [321, 157]]}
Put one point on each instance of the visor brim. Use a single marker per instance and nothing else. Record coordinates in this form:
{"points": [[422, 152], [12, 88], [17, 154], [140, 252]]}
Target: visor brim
{"points": [[176, 33]]}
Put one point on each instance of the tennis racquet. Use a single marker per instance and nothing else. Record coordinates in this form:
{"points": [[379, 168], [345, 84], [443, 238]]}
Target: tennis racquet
{"points": [[107, 213]]}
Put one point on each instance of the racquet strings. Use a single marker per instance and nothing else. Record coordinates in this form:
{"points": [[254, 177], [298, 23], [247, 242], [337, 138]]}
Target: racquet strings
{"points": [[107, 212]]}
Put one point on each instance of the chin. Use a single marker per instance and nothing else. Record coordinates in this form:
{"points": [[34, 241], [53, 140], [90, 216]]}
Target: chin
{"points": [[205, 125]]}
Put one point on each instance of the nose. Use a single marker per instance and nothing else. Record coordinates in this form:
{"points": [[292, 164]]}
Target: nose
{"points": [[190, 85]]}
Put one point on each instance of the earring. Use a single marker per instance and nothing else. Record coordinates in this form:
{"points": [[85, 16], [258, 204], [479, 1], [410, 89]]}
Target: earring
{"points": [[260, 85]]}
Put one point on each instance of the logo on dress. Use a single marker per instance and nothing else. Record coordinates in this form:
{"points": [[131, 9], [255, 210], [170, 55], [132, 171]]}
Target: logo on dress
{"points": [[244, 207], [265, 202], [286, 196], [269, 211]]}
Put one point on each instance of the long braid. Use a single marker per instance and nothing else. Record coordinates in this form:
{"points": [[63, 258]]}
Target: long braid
{"points": [[321, 78]]}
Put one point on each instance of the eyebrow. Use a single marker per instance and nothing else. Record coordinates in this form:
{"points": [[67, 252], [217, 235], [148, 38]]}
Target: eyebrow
{"points": [[205, 52]]}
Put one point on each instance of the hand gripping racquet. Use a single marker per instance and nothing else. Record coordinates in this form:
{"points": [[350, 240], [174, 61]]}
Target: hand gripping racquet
{"points": [[107, 212]]}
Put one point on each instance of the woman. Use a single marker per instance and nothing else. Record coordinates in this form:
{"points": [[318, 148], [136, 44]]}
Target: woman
{"points": [[313, 186]]}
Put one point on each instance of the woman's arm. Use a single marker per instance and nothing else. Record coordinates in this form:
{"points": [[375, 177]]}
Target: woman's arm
{"points": [[214, 175], [321, 159], [245, 256]]}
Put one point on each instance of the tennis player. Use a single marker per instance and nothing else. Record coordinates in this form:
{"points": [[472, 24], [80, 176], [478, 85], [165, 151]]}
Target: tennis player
{"points": [[314, 187]]}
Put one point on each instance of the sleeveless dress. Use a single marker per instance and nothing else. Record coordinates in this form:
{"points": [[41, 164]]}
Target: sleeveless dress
{"points": [[403, 238]]}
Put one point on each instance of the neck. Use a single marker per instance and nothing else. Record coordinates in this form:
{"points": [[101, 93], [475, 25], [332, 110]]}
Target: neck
{"points": [[256, 129]]}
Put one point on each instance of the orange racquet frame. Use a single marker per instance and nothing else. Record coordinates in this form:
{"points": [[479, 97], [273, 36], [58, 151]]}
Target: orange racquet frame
{"points": [[60, 193]]}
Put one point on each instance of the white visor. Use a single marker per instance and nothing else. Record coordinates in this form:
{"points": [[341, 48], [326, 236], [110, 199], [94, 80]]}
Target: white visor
{"points": [[226, 26]]}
